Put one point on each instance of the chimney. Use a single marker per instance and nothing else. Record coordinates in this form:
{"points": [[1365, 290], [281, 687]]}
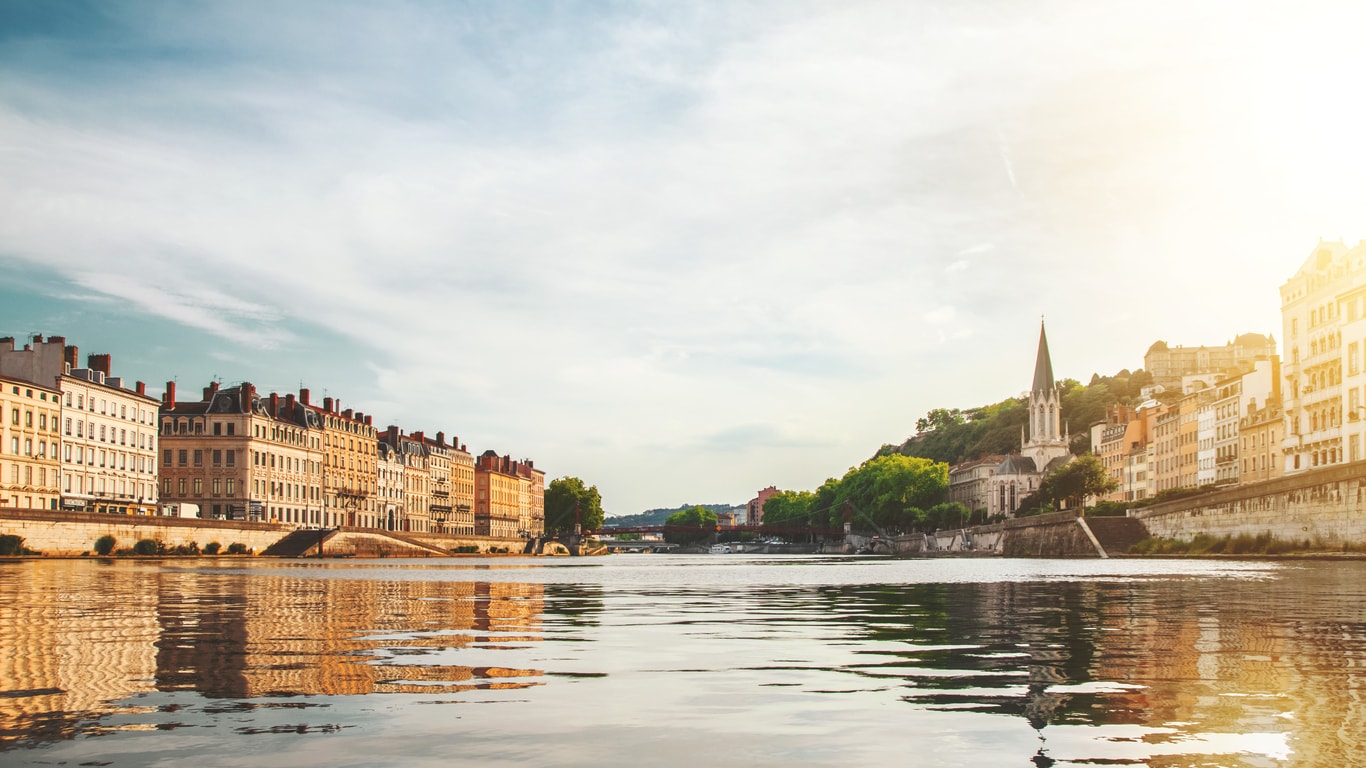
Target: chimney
{"points": [[441, 438], [99, 363], [393, 434], [141, 389], [360, 416], [303, 396], [369, 422], [346, 413], [289, 404], [37, 338], [274, 405], [57, 340], [419, 436], [168, 398], [73, 357], [336, 405], [327, 404]]}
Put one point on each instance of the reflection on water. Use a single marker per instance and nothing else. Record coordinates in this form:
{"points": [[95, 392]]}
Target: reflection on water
{"points": [[705, 660]]}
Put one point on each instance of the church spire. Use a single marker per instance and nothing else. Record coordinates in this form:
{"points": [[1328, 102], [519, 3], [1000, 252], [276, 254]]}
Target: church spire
{"points": [[1043, 366]]}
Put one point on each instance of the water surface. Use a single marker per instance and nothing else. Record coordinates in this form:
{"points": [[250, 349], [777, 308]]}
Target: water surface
{"points": [[682, 660]]}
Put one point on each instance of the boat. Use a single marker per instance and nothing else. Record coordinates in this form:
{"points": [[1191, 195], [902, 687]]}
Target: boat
{"points": [[719, 549]]}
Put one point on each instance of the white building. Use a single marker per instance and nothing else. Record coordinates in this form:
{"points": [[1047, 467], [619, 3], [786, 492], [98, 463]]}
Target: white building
{"points": [[1323, 316], [108, 431]]}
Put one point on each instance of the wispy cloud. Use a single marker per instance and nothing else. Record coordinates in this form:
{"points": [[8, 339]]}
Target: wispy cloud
{"points": [[577, 231]]}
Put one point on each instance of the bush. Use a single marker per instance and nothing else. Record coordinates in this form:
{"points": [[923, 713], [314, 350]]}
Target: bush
{"points": [[466, 549], [105, 544], [13, 545], [237, 548], [186, 549], [212, 548], [147, 547]]}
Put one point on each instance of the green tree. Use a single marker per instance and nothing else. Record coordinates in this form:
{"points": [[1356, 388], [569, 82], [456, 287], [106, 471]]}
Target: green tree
{"points": [[1074, 481], [105, 544], [562, 497], [690, 526], [889, 492]]}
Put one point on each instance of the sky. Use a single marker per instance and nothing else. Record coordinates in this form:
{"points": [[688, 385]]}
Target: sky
{"points": [[683, 251]]}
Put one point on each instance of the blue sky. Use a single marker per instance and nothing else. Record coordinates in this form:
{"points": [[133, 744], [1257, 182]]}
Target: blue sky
{"points": [[681, 250]]}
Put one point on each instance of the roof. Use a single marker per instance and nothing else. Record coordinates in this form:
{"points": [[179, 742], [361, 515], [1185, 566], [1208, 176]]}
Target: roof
{"points": [[1043, 365], [1017, 465]]}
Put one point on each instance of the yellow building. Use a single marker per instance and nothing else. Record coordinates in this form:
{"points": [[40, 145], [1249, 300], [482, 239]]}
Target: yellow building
{"points": [[29, 469], [350, 465], [462, 489], [509, 497]]}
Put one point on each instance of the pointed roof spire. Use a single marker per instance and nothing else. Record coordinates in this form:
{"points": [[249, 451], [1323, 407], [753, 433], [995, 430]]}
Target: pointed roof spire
{"points": [[1043, 366]]}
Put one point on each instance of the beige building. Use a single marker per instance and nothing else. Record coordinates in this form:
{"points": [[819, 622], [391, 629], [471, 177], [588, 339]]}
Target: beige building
{"points": [[29, 440], [389, 487], [350, 465], [412, 454], [1259, 437], [970, 482], [462, 489], [239, 455], [1323, 317], [108, 431], [1171, 366]]}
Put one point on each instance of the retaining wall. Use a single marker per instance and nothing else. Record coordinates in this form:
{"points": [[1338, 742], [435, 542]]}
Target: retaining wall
{"points": [[1326, 507], [73, 533]]}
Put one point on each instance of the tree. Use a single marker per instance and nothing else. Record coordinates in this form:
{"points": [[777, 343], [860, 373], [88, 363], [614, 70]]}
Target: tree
{"points": [[690, 526], [1071, 483], [890, 491], [562, 497]]}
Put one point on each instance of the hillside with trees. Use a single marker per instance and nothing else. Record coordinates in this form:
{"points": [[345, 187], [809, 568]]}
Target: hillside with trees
{"points": [[659, 516], [954, 435]]}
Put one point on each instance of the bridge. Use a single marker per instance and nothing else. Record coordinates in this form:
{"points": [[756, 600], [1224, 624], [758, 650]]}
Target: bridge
{"points": [[767, 530]]}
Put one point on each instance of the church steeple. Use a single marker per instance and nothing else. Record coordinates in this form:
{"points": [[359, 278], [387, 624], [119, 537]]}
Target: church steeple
{"points": [[1043, 365]]}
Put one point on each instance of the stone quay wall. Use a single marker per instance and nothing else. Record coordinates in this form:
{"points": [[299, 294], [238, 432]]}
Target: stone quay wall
{"points": [[61, 533], [1326, 507], [74, 533]]}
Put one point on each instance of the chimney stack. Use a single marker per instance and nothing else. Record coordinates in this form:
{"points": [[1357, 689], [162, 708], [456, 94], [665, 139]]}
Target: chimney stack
{"points": [[73, 357], [99, 363], [275, 405], [169, 397], [303, 396], [347, 413], [441, 439], [327, 404], [141, 389]]}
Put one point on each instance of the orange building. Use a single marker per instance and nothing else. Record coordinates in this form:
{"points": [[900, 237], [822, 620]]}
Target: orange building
{"points": [[509, 497], [1260, 433]]}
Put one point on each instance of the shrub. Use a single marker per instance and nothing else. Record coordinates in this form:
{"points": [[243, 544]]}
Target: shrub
{"points": [[237, 548], [105, 544], [186, 549], [466, 549], [212, 548], [13, 545], [147, 547]]}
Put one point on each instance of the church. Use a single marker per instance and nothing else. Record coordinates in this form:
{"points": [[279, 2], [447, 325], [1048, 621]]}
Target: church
{"points": [[1043, 443]]}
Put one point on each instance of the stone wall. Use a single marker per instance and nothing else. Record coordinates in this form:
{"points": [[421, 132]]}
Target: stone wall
{"points": [[73, 533], [1326, 507], [1057, 534]]}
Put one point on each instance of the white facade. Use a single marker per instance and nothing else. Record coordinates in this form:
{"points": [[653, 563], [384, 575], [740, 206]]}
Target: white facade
{"points": [[1322, 311], [109, 445]]}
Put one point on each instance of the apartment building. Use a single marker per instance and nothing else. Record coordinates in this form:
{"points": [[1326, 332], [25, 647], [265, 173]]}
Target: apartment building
{"points": [[970, 482], [509, 497], [1323, 317], [389, 486], [108, 430], [350, 465], [29, 440], [1260, 456], [239, 455], [1170, 365]]}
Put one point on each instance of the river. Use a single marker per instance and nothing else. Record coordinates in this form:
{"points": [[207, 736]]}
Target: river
{"points": [[682, 660]]}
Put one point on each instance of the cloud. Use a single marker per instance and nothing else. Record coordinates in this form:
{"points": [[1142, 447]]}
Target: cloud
{"points": [[621, 226]]}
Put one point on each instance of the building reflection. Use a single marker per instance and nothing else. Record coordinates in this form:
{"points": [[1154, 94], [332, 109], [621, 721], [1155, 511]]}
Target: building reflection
{"points": [[1165, 657], [67, 663]]}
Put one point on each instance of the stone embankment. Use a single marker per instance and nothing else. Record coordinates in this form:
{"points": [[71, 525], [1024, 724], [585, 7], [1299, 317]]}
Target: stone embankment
{"points": [[74, 533]]}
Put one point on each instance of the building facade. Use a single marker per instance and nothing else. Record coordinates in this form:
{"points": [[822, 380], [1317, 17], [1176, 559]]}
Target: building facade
{"points": [[108, 430], [29, 445], [238, 455], [1323, 318], [1170, 365]]}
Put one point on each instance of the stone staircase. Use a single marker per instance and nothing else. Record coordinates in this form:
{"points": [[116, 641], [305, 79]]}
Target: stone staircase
{"points": [[298, 543]]}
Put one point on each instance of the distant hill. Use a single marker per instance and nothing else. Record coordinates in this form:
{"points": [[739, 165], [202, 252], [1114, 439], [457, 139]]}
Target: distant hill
{"points": [[658, 516]]}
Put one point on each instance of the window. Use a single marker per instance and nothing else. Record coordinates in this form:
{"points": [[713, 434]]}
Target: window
{"points": [[217, 487], [232, 458], [180, 486], [217, 458], [198, 457], [182, 457], [231, 484], [198, 486], [217, 428], [231, 428]]}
